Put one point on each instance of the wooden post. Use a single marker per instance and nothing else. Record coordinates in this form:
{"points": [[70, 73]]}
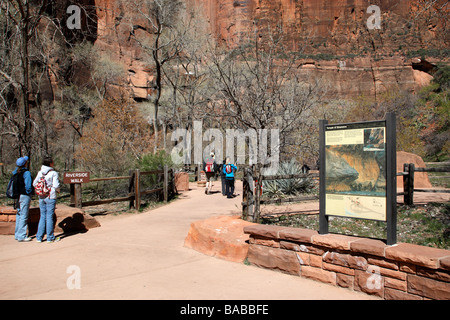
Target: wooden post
{"points": [[406, 200], [131, 186], [75, 195], [166, 183], [408, 184], [257, 195], [137, 189], [411, 170], [245, 194]]}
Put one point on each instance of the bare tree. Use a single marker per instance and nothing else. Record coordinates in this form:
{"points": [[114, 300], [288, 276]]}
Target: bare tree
{"points": [[256, 86], [19, 21], [158, 40]]}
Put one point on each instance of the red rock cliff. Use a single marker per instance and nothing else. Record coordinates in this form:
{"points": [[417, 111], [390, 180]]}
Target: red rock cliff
{"points": [[331, 37]]}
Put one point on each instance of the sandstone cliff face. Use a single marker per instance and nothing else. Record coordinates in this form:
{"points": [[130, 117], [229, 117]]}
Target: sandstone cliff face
{"points": [[331, 38], [113, 38]]}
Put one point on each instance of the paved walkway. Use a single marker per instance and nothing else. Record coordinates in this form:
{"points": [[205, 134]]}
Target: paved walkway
{"points": [[141, 256]]}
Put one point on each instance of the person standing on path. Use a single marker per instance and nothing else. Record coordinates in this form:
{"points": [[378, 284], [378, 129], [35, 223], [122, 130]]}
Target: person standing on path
{"points": [[210, 168], [23, 208], [47, 187], [222, 178], [228, 170]]}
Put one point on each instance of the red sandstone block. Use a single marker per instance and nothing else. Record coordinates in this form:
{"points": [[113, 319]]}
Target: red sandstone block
{"points": [[395, 284], [415, 254], [335, 241], [383, 263], [319, 274], [296, 234], [392, 273], [344, 281], [271, 258], [265, 242], [439, 274], [369, 246], [444, 263], [393, 294], [338, 269], [370, 282], [8, 210], [315, 261], [429, 288], [303, 258], [262, 230], [7, 228], [3, 218], [345, 260]]}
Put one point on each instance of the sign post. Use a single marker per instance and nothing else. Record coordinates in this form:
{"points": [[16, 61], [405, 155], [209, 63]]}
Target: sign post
{"points": [[75, 179], [358, 173]]}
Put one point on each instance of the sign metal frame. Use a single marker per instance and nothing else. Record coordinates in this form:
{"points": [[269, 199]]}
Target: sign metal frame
{"points": [[390, 166]]}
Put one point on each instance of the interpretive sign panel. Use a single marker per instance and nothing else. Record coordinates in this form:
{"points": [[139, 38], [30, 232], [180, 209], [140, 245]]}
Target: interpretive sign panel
{"points": [[357, 176], [356, 170]]}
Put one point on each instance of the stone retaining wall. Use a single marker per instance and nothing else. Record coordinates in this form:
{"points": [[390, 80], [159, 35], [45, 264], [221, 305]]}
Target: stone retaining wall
{"points": [[400, 272]]}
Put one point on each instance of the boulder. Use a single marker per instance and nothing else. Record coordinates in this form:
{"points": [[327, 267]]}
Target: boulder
{"points": [[182, 181], [67, 219], [221, 237], [421, 179]]}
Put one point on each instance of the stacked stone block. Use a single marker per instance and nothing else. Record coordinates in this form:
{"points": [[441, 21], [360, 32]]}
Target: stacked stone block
{"points": [[400, 272]]}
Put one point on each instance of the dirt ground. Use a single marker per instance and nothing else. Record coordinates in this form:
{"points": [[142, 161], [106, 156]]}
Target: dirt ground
{"points": [[142, 256]]}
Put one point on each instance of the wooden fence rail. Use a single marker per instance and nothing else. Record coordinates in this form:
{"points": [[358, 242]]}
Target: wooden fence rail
{"points": [[252, 199], [135, 190], [408, 181]]}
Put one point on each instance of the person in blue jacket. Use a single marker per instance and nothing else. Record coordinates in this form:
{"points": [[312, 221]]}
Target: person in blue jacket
{"points": [[26, 190], [229, 169]]}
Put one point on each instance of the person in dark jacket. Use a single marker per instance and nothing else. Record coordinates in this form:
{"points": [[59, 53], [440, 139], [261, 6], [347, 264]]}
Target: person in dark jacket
{"points": [[222, 178], [26, 190]]}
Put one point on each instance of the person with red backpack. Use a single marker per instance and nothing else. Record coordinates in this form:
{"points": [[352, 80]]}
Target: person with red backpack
{"points": [[229, 169], [210, 168], [46, 186], [22, 194]]}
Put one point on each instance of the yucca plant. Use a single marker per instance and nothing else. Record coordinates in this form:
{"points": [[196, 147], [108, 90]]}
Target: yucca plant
{"points": [[284, 187]]}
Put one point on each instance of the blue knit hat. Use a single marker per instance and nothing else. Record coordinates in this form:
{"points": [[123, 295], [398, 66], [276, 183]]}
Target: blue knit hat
{"points": [[21, 161]]}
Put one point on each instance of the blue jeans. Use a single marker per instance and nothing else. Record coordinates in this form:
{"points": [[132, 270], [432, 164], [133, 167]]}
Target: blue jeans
{"points": [[46, 223], [22, 217]]}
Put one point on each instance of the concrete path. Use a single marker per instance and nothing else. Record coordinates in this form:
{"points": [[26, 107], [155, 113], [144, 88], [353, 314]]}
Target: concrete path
{"points": [[141, 256]]}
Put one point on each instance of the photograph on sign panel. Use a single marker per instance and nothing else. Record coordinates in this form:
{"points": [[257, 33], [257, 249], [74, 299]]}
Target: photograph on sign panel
{"points": [[374, 139], [357, 169]]}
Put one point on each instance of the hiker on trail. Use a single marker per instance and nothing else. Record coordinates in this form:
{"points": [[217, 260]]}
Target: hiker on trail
{"points": [[222, 178], [46, 186], [229, 170], [25, 190], [210, 168]]}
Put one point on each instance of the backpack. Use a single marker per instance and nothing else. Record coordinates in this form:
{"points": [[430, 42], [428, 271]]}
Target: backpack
{"points": [[209, 165], [228, 168], [41, 188], [13, 188]]}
